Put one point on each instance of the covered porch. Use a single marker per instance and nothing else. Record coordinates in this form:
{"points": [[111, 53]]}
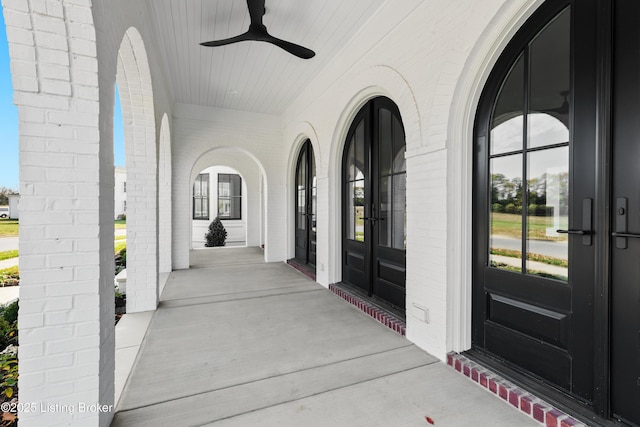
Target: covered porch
{"points": [[236, 341]]}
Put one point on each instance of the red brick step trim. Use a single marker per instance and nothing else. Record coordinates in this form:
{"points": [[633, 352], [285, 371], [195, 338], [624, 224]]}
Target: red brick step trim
{"points": [[526, 402], [384, 317]]}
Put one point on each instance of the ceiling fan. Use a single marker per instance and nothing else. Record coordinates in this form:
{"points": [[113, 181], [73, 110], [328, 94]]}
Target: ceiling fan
{"points": [[258, 32]]}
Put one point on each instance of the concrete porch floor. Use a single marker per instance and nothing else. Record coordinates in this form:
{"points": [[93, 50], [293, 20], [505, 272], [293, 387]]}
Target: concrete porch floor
{"points": [[237, 342]]}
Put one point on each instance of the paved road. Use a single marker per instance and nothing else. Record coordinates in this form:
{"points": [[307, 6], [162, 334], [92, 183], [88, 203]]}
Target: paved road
{"points": [[542, 247], [8, 243]]}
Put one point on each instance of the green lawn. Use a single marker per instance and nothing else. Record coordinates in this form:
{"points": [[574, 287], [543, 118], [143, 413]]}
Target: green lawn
{"points": [[8, 227], [121, 223], [8, 255], [510, 225], [119, 246]]}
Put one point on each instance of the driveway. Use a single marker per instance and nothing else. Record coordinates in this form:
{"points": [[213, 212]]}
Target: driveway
{"points": [[8, 244]]}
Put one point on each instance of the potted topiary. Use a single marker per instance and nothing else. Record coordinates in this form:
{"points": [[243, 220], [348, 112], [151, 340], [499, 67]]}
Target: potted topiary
{"points": [[217, 235]]}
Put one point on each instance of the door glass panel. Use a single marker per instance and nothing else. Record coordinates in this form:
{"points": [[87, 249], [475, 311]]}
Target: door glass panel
{"points": [[399, 144], [359, 150], [314, 195], [358, 209], [302, 191], [506, 213], [548, 210], [351, 160], [384, 226], [507, 123], [549, 58], [356, 164], [386, 141], [399, 211]]}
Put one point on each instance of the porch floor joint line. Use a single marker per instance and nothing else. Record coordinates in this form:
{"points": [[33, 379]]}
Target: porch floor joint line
{"points": [[230, 293], [383, 317], [286, 374], [321, 393], [169, 307], [536, 408]]}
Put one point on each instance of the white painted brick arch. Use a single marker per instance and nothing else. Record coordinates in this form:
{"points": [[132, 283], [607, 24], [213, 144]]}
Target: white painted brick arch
{"points": [[252, 173], [375, 81], [164, 197], [509, 18], [201, 130], [136, 94], [66, 289], [252, 176], [305, 132]]}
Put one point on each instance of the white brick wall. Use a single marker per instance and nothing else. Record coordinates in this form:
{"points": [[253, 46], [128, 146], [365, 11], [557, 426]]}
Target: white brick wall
{"points": [[426, 56]]}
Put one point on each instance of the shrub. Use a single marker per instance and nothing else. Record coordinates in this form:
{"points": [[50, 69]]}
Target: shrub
{"points": [[532, 209], [121, 217], [497, 207], [121, 260], [217, 235], [9, 276], [10, 312], [511, 208]]}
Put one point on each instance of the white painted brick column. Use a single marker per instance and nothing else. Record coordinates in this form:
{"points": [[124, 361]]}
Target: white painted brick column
{"points": [[134, 84], [66, 226]]}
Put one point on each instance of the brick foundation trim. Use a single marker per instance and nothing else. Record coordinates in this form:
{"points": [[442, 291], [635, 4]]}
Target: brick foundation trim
{"points": [[302, 269], [526, 402], [384, 317]]}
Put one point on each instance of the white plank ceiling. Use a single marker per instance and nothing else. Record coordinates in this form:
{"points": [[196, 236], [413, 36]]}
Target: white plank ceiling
{"points": [[251, 76]]}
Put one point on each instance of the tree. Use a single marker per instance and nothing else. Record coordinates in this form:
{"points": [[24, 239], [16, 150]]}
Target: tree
{"points": [[4, 195], [217, 235]]}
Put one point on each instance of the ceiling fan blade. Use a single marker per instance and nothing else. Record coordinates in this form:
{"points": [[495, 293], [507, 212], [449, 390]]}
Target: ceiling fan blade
{"points": [[256, 11], [242, 37], [292, 48]]}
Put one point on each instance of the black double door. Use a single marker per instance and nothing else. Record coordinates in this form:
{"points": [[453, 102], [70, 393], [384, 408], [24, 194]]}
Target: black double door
{"points": [[306, 206], [557, 206], [625, 215], [374, 203]]}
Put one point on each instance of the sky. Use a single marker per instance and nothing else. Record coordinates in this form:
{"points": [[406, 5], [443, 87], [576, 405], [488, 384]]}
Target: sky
{"points": [[9, 122]]}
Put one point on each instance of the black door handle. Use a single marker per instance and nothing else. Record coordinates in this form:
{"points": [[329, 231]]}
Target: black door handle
{"points": [[587, 205], [633, 236], [581, 232]]}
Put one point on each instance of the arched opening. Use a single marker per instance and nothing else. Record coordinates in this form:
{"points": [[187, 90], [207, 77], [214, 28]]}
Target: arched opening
{"points": [[164, 202], [229, 183], [220, 192], [305, 209], [9, 176], [374, 205], [136, 98]]}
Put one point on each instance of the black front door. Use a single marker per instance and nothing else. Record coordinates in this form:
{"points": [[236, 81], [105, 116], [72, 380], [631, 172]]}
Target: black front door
{"points": [[306, 205], [557, 205], [374, 203], [533, 206], [625, 215]]}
